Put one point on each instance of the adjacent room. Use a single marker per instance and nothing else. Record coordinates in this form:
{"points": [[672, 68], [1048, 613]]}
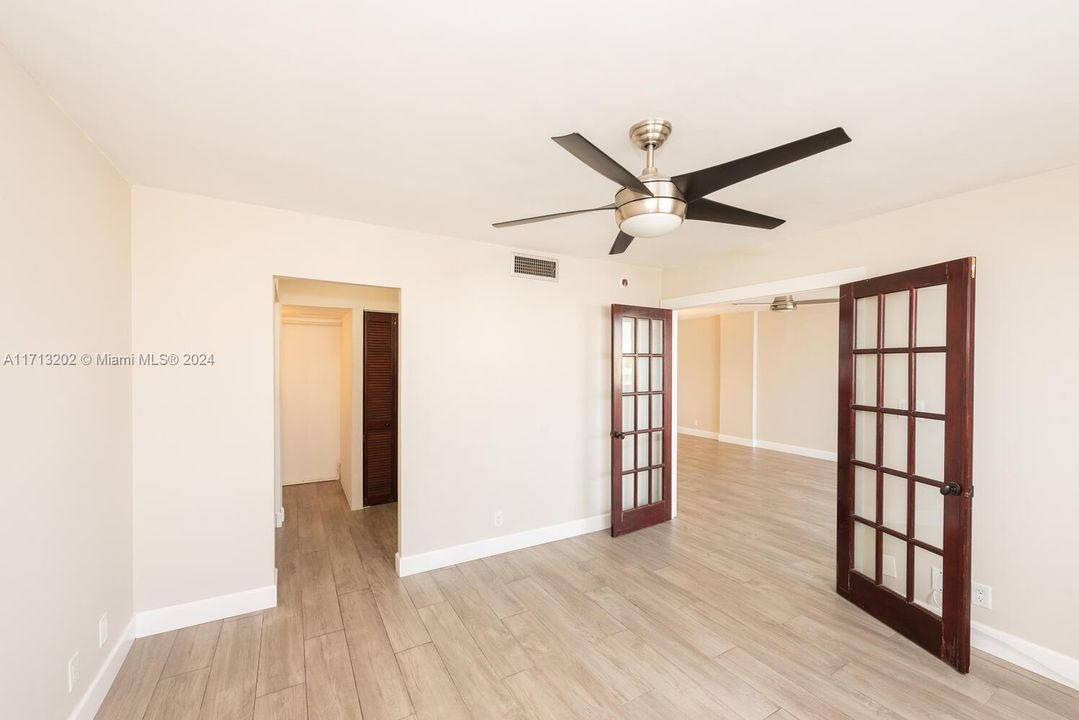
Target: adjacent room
{"points": [[538, 361]]}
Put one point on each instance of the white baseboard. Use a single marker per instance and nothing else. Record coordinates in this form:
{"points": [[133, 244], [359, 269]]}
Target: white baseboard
{"points": [[95, 693], [796, 450], [422, 562], [735, 440], [708, 434], [151, 622], [1037, 659]]}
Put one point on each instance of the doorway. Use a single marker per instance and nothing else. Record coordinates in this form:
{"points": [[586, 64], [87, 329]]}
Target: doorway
{"points": [[322, 308]]}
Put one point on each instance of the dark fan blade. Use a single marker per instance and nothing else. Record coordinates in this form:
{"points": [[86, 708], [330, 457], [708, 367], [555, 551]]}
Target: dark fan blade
{"points": [[703, 182], [711, 211], [599, 161], [552, 216], [816, 302], [620, 243]]}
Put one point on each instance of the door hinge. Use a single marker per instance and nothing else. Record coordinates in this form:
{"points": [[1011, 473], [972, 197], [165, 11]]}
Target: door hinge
{"points": [[973, 267]]}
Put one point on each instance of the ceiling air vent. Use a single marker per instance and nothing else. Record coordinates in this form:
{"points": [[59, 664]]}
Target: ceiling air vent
{"points": [[534, 267]]}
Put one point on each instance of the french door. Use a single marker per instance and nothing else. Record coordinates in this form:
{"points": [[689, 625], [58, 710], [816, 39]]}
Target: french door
{"points": [[906, 368], [640, 417]]}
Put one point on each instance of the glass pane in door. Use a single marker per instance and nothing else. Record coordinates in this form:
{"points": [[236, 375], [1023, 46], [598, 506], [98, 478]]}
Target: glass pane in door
{"points": [[657, 485], [642, 374], [628, 423], [894, 564], [627, 335], [897, 319], [657, 337], [865, 436], [627, 375], [929, 448], [929, 382], [932, 324], [657, 411], [895, 442], [896, 381], [865, 549], [865, 493], [865, 380], [642, 335], [928, 514], [928, 580], [627, 491], [865, 322], [895, 503]]}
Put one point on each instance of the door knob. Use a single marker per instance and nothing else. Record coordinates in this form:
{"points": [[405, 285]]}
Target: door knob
{"points": [[950, 489], [618, 435]]}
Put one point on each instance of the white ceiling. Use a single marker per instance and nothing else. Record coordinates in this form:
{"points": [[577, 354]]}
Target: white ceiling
{"points": [[436, 116]]}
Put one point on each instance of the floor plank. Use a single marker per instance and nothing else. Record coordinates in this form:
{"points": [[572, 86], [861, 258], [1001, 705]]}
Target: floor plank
{"points": [[433, 692], [178, 697], [287, 704], [230, 689], [331, 688], [379, 683], [134, 685]]}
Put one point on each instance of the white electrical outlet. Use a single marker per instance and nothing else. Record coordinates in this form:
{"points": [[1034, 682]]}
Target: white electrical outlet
{"points": [[498, 518], [73, 672], [103, 630], [982, 595], [888, 566], [280, 516], [938, 580]]}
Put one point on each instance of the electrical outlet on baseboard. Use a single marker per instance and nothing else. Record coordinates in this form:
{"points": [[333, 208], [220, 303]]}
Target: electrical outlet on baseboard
{"points": [[280, 516]]}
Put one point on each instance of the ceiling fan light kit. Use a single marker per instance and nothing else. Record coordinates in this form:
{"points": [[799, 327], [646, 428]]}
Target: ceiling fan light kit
{"points": [[653, 204]]}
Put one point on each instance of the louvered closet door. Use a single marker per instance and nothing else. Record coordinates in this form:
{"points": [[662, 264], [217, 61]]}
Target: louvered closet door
{"points": [[379, 408]]}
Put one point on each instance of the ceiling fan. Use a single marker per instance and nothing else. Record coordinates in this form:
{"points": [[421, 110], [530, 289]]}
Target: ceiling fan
{"points": [[653, 204], [787, 303]]}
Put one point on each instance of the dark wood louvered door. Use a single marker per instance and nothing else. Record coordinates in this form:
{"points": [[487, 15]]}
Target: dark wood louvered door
{"points": [[379, 408], [905, 484]]}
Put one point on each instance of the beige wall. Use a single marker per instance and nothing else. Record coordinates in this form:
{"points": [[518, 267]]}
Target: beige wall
{"points": [[311, 401], [698, 374], [65, 432], [356, 299], [1024, 235], [736, 375], [798, 377], [496, 371]]}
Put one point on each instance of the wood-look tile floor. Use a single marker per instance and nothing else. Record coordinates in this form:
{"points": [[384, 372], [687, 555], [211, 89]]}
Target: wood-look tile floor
{"points": [[726, 612]]}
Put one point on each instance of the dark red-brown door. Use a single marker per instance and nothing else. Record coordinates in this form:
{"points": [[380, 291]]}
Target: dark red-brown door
{"points": [[640, 417], [379, 408], [906, 370]]}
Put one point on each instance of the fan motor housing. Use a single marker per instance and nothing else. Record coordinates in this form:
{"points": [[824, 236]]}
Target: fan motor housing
{"points": [[665, 199]]}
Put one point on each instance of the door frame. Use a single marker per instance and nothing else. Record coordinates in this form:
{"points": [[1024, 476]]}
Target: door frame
{"points": [[947, 637], [394, 429]]}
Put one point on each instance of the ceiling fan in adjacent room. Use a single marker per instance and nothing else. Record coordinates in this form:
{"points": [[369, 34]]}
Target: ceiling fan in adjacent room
{"points": [[653, 204], [787, 303]]}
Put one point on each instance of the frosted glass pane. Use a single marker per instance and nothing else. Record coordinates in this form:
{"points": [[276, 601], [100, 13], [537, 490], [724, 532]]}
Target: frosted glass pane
{"points": [[865, 493], [929, 448], [657, 448], [627, 374], [642, 450], [657, 373], [895, 442], [925, 563], [928, 514], [627, 491], [894, 564], [642, 489], [627, 413], [642, 374], [897, 319], [627, 335], [642, 335], [865, 380], [865, 550], [932, 323], [642, 412], [657, 485], [657, 411], [865, 322], [627, 452], [929, 382], [895, 503], [657, 336], [865, 436], [896, 382]]}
